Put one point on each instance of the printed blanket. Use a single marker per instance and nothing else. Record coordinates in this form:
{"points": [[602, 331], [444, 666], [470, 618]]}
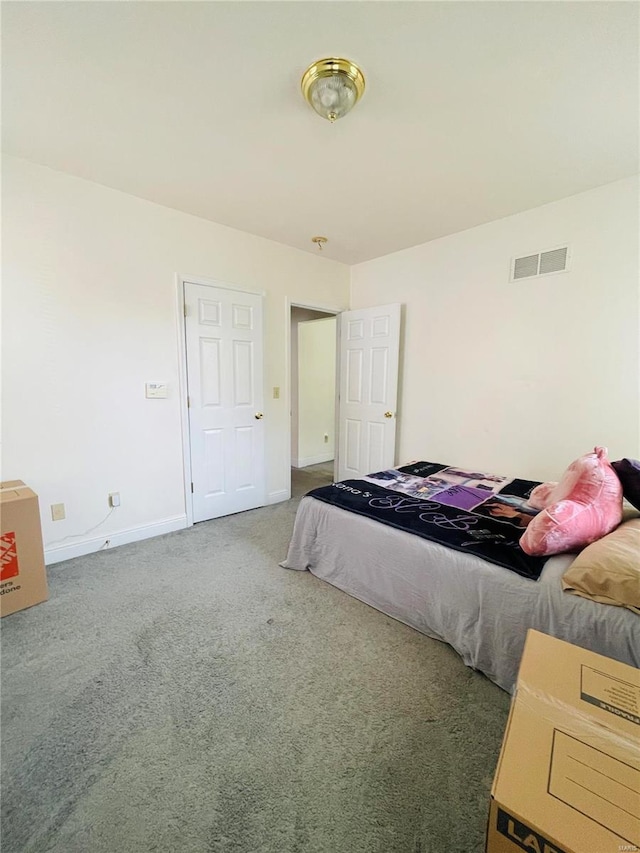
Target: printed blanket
{"points": [[474, 512]]}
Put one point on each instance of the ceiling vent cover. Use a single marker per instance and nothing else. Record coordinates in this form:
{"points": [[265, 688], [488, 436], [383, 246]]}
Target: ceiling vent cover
{"points": [[543, 263]]}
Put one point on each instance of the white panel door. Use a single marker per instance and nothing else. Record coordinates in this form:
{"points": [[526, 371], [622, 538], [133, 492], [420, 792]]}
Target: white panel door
{"points": [[369, 350], [223, 331]]}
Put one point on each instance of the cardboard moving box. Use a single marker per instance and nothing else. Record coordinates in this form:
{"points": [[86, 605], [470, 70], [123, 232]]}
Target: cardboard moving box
{"points": [[23, 579], [568, 777]]}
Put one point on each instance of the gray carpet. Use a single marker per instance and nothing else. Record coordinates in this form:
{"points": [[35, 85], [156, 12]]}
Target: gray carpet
{"points": [[185, 694]]}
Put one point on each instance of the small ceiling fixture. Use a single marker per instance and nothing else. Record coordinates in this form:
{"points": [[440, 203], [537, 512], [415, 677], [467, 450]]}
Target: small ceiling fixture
{"points": [[319, 241], [332, 87]]}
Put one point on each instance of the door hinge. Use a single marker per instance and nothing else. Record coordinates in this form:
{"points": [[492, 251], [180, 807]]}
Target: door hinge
{"points": [[188, 402], [185, 309], [191, 488]]}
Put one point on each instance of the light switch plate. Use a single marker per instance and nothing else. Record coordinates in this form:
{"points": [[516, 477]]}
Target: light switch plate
{"points": [[155, 390]]}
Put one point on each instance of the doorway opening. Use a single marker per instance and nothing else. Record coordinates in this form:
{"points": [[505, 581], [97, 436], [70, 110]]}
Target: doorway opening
{"points": [[313, 397]]}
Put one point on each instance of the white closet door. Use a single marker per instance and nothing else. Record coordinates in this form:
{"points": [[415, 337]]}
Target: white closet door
{"points": [[223, 330]]}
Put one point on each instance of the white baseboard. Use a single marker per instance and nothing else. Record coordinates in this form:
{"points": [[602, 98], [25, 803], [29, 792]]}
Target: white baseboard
{"points": [[315, 460], [277, 497], [133, 534]]}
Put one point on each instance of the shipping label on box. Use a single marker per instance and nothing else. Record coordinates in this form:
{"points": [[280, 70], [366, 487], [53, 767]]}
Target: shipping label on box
{"points": [[8, 556], [614, 695], [598, 786]]}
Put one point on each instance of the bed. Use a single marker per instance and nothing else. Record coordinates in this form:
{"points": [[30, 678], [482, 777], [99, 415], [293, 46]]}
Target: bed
{"points": [[478, 607]]}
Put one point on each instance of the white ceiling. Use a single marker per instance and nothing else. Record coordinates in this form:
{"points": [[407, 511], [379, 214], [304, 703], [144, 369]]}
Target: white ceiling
{"points": [[473, 110]]}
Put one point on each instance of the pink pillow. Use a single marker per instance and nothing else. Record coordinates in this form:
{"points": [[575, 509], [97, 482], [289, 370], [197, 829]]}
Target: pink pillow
{"points": [[584, 506], [540, 497]]}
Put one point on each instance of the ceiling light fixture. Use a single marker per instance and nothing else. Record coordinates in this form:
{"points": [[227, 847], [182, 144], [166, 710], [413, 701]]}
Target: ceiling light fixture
{"points": [[319, 241], [332, 87]]}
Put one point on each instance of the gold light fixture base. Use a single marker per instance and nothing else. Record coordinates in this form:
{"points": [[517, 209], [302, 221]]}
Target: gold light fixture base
{"points": [[332, 87], [319, 241]]}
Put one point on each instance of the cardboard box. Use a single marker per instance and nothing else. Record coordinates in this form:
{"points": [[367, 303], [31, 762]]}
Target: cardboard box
{"points": [[23, 579], [568, 777]]}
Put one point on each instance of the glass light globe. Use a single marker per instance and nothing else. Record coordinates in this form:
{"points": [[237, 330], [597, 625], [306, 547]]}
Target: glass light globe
{"points": [[333, 97], [332, 87]]}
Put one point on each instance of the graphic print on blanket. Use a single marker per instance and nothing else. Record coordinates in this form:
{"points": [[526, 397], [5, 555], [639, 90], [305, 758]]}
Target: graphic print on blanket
{"points": [[470, 511]]}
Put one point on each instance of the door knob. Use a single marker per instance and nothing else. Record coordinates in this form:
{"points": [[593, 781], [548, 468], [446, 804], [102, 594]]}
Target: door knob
{"points": [[388, 414], [258, 415]]}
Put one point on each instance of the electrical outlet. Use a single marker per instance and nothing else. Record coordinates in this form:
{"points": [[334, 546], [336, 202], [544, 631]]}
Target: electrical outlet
{"points": [[114, 499], [326, 438], [57, 512]]}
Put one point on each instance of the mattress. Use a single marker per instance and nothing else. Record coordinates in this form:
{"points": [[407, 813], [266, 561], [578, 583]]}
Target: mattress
{"points": [[482, 610]]}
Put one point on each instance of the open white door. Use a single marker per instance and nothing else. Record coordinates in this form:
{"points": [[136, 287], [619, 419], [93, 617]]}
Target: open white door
{"points": [[369, 350], [223, 331]]}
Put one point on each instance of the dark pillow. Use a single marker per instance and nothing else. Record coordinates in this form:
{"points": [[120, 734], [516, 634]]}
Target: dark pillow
{"points": [[628, 471]]}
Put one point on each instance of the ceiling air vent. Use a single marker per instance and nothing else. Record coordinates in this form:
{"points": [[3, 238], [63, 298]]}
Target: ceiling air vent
{"points": [[544, 263]]}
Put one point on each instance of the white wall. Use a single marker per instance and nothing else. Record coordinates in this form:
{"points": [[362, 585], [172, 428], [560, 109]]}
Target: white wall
{"points": [[316, 390], [89, 299], [519, 378]]}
